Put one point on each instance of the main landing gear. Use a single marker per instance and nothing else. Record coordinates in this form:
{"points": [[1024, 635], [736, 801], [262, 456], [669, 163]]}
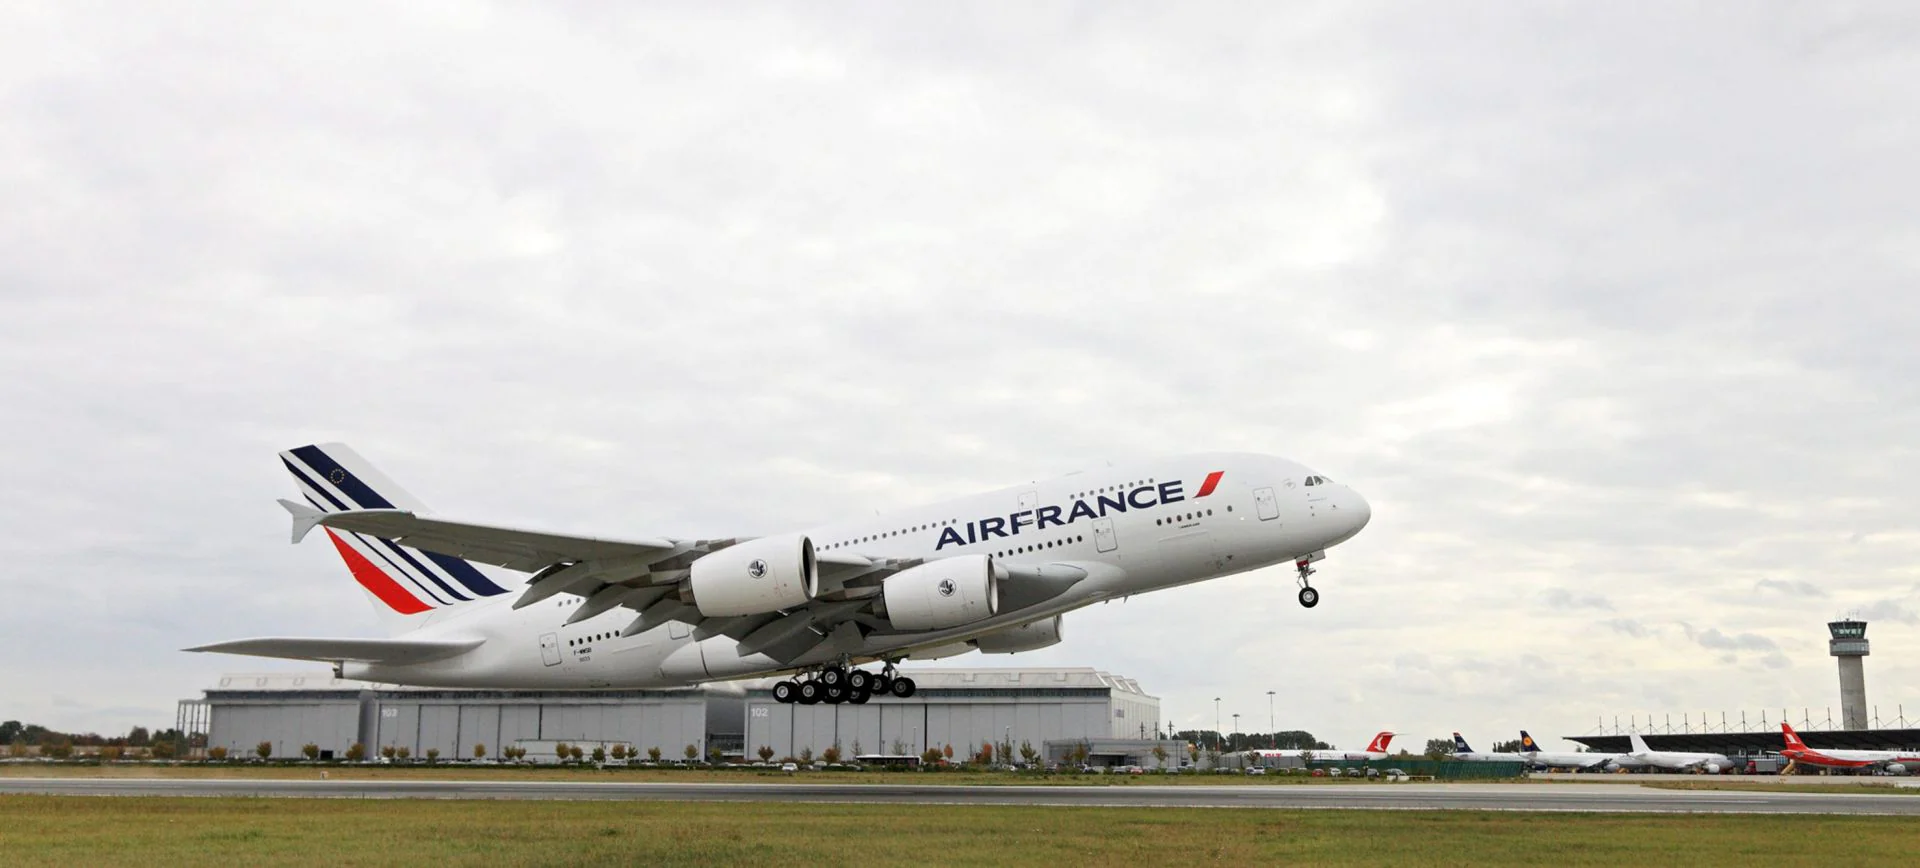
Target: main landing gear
{"points": [[836, 683], [1308, 596]]}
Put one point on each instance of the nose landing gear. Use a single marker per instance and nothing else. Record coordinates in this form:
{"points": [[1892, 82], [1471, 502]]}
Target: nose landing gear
{"points": [[1308, 596]]}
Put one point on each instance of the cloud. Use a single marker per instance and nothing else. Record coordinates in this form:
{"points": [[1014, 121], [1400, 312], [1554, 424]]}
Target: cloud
{"points": [[1793, 587], [1561, 598], [1628, 626], [1889, 610], [1713, 638]]}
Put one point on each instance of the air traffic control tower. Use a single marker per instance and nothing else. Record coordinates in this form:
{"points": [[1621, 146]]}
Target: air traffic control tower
{"points": [[1849, 643]]}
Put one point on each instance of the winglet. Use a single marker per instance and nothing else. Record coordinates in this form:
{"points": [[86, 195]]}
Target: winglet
{"points": [[305, 518]]}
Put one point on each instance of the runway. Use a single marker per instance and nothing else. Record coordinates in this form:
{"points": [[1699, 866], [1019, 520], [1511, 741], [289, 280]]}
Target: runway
{"points": [[1627, 798]]}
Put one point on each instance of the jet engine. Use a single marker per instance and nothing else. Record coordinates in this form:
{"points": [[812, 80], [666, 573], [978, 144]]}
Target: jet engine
{"points": [[1711, 768], [1896, 768], [945, 593], [755, 577], [1026, 637]]}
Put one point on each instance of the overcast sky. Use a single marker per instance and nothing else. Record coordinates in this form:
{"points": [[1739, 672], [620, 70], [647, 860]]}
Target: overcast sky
{"points": [[1610, 314]]}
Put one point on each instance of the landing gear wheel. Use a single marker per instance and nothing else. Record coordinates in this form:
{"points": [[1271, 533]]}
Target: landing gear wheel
{"points": [[881, 686], [859, 697], [902, 687], [785, 692], [860, 680], [811, 692], [837, 694], [1309, 597], [833, 676]]}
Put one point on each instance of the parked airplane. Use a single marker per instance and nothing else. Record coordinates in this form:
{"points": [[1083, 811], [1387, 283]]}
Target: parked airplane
{"points": [[1552, 760], [1711, 763], [992, 572], [1463, 752], [1897, 762], [1376, 749]]}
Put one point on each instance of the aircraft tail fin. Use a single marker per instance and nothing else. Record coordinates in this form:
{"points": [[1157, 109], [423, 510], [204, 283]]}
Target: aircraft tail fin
{"points": [[1460, 744], [1380, 742], [1793, 738], [406, 585], [1639, 744], [1527, 744]]}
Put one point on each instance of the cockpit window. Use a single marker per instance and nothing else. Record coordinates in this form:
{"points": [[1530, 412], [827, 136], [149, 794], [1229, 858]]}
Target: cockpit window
{"points": [[1313, 480]]}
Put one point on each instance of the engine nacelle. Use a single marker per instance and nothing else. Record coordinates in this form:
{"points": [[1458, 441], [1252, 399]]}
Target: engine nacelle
{"points": [[949, 592], [755, 577], [1896, 768], [1026, 637], [1711, 768]]}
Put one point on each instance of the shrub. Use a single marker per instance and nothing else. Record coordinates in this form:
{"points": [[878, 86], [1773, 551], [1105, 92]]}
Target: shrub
{"points": [[310, 751], [160, 750], [433, 753], [619, 751], [388, 752], [17, 749], [561, 751], [519, 753], [217, 753], [806, 755], [110, 753], [479, 750], [931, 758], [692, 753], [403, 751], [653, 753], [574, 752], [263, 750], [831, 755], [356, 752], [599, 754], [766, 752]]}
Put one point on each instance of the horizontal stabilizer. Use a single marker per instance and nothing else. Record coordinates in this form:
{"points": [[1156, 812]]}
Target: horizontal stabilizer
{"points": [[389, 651], [305, 518]]}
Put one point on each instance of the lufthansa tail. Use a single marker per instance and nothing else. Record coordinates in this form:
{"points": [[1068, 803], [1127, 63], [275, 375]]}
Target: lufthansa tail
{"points": [[1527, 744], [405, 584]]}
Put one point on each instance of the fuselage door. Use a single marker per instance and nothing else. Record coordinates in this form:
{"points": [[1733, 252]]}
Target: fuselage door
{"points": [[550, 649], [1264, 504], [1103, 538]]}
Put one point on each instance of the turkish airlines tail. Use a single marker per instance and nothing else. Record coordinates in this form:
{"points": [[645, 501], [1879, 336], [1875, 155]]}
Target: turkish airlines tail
{"points": [[404, 584]]}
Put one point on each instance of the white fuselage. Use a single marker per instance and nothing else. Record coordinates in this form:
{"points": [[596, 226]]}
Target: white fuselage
{"points": [[1568, 760], [1133, 528], [1679, 761]]}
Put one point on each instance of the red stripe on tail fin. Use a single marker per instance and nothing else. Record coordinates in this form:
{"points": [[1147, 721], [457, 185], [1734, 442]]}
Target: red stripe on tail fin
{"points": [[1380, 742], [376, 582]]}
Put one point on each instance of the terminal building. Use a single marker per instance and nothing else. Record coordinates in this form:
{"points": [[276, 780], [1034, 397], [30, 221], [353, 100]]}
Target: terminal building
{"points": [[1111, 717]]}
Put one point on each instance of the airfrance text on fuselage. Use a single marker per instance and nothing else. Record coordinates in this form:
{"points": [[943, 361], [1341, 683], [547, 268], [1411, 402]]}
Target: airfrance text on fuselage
{"points": [[1142, 497]]}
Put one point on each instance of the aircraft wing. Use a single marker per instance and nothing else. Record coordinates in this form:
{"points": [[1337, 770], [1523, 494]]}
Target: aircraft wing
{"points": [[645, 576], [394, 651], [523, 550]]}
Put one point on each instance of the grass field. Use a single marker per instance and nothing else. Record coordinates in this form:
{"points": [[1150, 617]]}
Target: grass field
{"points": [[57, 830], [635, 775]]}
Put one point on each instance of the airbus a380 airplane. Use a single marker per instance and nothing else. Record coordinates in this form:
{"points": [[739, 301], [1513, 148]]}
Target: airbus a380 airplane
{"points": [[992, 572]]}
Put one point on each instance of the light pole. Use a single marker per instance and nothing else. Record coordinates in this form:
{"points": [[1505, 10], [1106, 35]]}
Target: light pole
{"points": [[1273, 733], [1236, 723], [1216, 724]]}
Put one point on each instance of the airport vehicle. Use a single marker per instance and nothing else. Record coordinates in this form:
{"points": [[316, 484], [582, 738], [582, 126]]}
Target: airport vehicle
{"points": [[1530, 750], [1896, 762], [1462, 752], [1376, 749], [1711, 763], [993, 572]]}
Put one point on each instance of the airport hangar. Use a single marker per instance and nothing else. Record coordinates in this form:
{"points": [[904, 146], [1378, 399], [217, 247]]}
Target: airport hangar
{"points": [[1055, 710]]}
